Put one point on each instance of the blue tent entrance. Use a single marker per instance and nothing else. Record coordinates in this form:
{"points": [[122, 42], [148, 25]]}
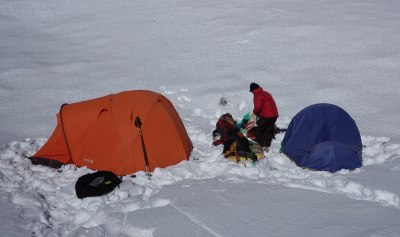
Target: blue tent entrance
{"points": [[323, 137]]}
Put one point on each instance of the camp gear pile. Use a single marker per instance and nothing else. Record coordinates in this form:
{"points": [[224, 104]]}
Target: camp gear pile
{"points": [[233, 137]]}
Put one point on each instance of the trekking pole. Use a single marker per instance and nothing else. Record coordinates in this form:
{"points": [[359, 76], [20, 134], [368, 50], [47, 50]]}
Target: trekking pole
{"points": [[138, 124]]}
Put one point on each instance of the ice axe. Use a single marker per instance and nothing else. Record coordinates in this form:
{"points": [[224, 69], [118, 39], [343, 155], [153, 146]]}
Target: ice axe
{"points": [[138, 124]]}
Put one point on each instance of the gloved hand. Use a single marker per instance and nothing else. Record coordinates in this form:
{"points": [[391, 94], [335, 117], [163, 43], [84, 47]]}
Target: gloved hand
{"points": [[216, 139], [217, 142]]}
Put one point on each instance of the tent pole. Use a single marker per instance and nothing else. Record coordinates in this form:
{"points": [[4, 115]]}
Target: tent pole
{"points": [[138, 124], [63, 130]]}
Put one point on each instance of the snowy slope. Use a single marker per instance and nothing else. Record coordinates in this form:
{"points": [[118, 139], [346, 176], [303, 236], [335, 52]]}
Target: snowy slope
{"points": [[193, 52]]}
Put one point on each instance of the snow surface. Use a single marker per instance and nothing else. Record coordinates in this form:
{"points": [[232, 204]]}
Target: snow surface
{"points": [[195, 52]]}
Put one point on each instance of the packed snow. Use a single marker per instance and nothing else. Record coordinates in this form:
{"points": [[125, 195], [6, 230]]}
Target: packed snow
{"points": [[197, 53]]}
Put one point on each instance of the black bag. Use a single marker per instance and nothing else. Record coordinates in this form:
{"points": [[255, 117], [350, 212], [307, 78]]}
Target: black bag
{"points": [[96, 184]]}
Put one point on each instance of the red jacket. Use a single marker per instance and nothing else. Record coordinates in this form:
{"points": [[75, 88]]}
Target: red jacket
{"points": [[264, 104]]}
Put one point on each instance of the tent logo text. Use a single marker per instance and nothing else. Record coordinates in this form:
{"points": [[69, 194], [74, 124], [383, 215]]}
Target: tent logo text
{"points": [[88, 160]]}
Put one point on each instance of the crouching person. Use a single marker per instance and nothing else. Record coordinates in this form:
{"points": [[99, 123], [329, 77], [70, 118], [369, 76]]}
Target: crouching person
{"points": [[233, 136], [225, 132]]}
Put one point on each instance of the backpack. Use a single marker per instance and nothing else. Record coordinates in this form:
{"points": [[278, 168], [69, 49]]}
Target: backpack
{"points": [[96, 184]]}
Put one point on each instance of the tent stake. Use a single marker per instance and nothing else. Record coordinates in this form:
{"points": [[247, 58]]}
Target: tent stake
{"points": [[138, 124]]}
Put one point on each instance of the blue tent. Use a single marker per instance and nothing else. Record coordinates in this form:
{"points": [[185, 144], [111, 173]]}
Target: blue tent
{"points": [[323, 137]]}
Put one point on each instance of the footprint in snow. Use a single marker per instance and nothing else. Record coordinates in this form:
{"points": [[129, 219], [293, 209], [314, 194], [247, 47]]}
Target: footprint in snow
{"points": [[160, 202]]}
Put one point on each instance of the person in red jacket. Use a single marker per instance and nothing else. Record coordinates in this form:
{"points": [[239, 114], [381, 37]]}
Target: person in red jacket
{"points": [[267, 113]]}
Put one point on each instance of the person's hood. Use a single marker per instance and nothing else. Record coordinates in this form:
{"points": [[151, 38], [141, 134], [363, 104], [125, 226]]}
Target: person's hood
{"points": [[257, 91]]}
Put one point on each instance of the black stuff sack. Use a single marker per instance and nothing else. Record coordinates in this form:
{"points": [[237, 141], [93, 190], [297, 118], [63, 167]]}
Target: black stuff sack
{"points": [[96, 184]]}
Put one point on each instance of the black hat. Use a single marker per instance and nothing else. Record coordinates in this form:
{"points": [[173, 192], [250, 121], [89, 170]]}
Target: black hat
{"points": [[254, 86]]}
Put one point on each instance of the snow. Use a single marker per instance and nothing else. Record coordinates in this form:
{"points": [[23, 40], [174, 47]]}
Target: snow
{"points": [[195, 53]]}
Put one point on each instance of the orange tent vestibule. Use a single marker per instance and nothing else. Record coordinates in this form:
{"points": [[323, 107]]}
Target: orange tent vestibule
{"points": [[101, 134]]}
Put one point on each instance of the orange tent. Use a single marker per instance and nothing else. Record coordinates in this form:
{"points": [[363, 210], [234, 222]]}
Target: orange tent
{"points": [[101, 134]]}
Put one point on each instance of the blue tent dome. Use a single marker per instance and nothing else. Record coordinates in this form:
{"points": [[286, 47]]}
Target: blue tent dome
{"points": [[323, 137]]}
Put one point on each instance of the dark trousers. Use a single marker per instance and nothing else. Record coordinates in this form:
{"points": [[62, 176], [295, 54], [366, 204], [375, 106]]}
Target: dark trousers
{"points": [[265, 131]]}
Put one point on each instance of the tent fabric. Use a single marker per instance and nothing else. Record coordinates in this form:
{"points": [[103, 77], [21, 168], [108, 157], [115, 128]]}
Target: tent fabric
{"points": [[101, 134], [323, 137]]}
